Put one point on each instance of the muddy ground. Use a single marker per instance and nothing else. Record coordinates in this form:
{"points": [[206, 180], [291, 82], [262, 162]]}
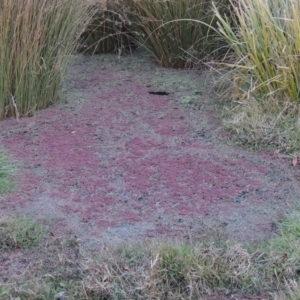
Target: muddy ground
{"points": [[137, 152]]}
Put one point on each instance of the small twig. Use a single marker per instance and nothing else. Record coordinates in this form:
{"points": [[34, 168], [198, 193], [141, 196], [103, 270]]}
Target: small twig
{"points": [[14, 107], [154, 262], [119, 54]]}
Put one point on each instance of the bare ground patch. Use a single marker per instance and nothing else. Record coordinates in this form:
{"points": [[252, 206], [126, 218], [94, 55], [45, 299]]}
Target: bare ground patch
{"points": [[137, 152]]}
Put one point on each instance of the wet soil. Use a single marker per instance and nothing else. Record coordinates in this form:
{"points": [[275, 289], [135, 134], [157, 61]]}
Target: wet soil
{"points": [[137, 152]]}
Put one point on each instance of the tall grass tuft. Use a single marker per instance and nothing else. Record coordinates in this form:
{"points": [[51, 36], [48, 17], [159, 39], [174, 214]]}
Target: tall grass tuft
{"points": [[16, 233], [263, 76], [108, 31], [168, 30], [37, 38], [265, 38]]}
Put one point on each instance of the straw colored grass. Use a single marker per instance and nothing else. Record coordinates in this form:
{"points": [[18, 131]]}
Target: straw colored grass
{"points": [[265, 39], [262, 80]]}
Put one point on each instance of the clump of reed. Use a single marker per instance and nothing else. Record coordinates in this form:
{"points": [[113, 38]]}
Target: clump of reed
{"points": [[109, 30], [37, 39], [176, 33], [262, 81]]}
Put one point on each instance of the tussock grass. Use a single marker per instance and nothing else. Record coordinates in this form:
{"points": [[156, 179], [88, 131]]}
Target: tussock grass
{"points": [[262, 79], [16, 233], [168, 31], [108, 30], [163, 270], [37, 38]]}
